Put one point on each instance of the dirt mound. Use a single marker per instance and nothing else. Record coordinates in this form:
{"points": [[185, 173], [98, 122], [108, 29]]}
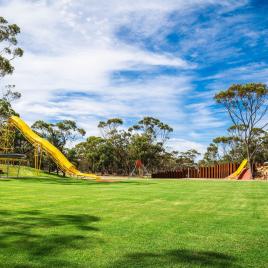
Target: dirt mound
{"points": [[262, 172]]}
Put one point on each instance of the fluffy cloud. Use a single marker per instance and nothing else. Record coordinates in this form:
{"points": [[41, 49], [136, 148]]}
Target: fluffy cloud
{"points": [[183, 145], [75, 54], [72, 46]]}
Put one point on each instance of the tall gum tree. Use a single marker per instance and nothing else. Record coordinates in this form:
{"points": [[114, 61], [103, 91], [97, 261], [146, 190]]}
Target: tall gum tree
{"points": [[8, 46], [247, 106], [8, 52]]}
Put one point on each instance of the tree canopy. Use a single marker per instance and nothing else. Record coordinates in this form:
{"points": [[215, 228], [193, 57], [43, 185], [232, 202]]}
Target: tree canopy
{"points": [[8, 52], [246, 105], [8, 46]]}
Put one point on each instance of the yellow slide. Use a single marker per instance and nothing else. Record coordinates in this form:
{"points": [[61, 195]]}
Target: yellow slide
{"points": [[57, 156], [239, 170]]}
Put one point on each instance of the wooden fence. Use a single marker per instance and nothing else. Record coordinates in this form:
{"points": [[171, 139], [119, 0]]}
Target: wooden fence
{"points": [[213, 172]]}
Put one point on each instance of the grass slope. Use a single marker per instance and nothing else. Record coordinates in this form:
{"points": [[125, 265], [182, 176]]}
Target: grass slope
{"points": [[24, 171], [56, 222]]}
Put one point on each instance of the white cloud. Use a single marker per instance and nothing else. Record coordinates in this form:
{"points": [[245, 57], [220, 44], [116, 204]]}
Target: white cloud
{"points": [[72, 46], [253, 72], [203, 116], [183, 145]]}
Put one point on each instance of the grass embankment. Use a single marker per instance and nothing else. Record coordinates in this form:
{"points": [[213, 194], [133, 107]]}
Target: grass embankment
{"points": [[23, 171], [57, 222]]}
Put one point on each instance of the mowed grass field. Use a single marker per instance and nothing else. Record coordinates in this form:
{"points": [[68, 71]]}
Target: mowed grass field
{"points": [[57, 222]]}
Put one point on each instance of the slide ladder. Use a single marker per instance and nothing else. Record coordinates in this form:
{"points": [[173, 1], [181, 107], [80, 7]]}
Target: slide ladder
{"points": [[42, 144]]}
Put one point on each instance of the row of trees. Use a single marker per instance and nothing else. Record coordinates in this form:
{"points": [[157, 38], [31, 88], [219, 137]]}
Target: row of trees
{"points": [[230, 148], [117, 148], [115, 151]]}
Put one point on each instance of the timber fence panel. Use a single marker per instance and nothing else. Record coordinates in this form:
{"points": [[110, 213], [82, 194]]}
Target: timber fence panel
{"points": [[217, 171]]}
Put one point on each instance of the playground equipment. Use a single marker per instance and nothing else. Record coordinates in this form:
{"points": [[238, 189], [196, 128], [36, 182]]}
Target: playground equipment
{"points": [[41, 146], [7, 136], [7, 158], [139, 169], [15, 160], [242, 173]]}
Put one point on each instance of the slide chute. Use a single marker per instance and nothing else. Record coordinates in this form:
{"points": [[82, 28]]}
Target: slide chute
{"points": [[38, 142], [240, 171]]}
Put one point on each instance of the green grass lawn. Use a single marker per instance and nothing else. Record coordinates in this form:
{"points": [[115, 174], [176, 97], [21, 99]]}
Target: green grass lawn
{"points": [[57, 222]]}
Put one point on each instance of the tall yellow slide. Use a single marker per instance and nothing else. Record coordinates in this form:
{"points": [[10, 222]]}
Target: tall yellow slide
{"points": [[57, 156]]}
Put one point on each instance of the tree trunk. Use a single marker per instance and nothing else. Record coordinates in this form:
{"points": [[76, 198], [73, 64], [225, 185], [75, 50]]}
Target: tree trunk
{"points": [[250, 164]]}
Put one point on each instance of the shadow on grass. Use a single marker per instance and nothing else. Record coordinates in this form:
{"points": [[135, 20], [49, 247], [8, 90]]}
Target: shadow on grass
{"points": [[178, 258], [38, 239], [4, 179]]}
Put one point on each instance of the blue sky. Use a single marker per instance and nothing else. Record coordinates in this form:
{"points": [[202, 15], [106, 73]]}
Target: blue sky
{"points": [[91, 60]]}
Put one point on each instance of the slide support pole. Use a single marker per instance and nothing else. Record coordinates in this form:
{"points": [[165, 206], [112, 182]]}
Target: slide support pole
{"points": [[37, 158]]}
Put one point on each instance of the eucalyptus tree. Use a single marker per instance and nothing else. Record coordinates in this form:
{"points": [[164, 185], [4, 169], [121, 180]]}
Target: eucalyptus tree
{"points": [[211, 156], [148, 139], [95, 155], [118, 148], [118, 141], [246, 105], [156, 130], [9, 50], [110, 127], [229, 148], [188, 158], [8, 46]]}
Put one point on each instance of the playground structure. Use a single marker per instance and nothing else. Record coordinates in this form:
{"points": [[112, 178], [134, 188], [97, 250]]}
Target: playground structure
{"points": [[40, 145], [242, 173], [139, 169], [11, 160], [7, 158], [7, 136]]}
